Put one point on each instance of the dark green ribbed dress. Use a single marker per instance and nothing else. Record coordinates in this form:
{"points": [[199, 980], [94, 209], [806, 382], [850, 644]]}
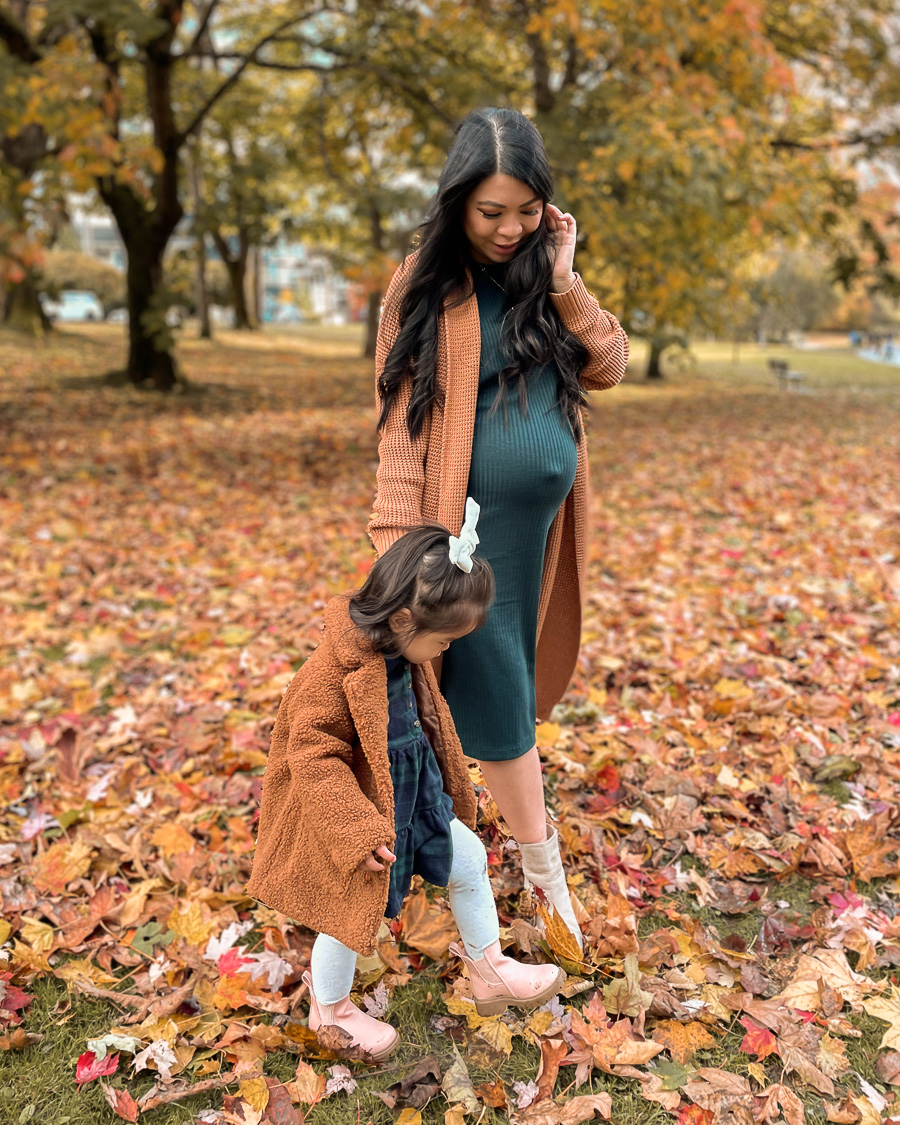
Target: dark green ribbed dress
{"points": [[523, 467]]}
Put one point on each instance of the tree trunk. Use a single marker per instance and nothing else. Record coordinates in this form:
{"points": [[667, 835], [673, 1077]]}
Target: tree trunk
{"points": [[22, 309], [372, 319], [202, 291], [256, 286], [236, 264], [150, 360], [654, 370]]}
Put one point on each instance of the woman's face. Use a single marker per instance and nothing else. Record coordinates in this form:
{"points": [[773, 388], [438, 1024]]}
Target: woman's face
{"points": [[499, 215]]}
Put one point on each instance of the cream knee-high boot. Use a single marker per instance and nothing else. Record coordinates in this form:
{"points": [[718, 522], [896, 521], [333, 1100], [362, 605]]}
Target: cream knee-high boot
{"points": [[542, 867]]}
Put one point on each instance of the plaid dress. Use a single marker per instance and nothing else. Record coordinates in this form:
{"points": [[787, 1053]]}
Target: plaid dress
{"points": [[422, 810]]}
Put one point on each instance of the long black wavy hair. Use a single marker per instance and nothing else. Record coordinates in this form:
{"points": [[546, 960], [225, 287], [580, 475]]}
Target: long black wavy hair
{"points": [[488, 141]]}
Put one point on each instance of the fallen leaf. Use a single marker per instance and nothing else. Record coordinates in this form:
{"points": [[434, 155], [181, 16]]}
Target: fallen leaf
{"points": [[457, 1085], [426, 927], [90, 1067], [887, 1008], [681, 1040]]}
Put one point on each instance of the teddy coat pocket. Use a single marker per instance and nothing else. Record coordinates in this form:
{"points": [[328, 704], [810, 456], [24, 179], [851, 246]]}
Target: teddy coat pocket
{"points": [[327, 799]]}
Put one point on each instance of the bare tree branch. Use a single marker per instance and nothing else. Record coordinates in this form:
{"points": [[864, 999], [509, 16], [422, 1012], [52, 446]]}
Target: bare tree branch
{"points": [[246, 60], [200, 33]]}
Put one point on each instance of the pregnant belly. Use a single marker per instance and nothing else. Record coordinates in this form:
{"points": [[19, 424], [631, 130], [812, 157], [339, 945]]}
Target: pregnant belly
{"points": [[533, 457]]}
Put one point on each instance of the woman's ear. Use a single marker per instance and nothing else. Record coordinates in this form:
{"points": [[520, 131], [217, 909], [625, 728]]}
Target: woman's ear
{"points": [[401, 622]]}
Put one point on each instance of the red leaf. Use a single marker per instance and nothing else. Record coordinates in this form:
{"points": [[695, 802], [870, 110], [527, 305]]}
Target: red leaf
{"points": [[758, 1040], [694, 1115], [90, 1067], [121, 1102]]}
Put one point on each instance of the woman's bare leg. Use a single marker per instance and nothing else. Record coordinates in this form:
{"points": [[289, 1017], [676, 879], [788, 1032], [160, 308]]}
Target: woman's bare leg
{"points": [[518, 788]]}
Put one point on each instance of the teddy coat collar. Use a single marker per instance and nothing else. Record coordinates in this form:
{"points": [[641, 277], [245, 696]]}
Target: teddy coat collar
{"points": [[327, 799]]}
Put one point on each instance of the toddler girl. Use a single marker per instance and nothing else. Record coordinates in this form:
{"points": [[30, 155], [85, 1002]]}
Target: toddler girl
{"points": [[366, 784]]}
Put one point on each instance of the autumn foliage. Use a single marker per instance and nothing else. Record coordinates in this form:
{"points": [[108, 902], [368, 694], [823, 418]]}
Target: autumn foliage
{"points": [[733, 731]]}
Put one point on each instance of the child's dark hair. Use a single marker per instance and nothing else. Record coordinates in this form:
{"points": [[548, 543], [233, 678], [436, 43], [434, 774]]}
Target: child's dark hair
{"points": [[416, 573]]}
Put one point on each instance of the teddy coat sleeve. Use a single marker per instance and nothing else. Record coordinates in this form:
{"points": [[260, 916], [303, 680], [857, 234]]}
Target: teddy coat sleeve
{"points": [[599, 331], [311, 798], [400, 478]]}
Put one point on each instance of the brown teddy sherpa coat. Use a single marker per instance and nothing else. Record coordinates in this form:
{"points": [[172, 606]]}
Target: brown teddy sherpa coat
{"points": [[426, 479], [327, 799]]}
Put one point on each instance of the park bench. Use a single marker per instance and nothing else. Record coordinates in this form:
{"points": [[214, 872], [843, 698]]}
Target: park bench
{"points": [[785, 376]]}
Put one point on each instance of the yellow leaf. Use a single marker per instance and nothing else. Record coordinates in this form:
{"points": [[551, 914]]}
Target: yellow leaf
{"points": [[409, 1117], [236, 635], [38, 934], [82, 969], [496, 1033], [5, 931], [887, 1008], [190, 924], [732, 689], [60, 864], [171, 839], [540, 1022], [683, 1039], [546, 734], [255, 1092]]}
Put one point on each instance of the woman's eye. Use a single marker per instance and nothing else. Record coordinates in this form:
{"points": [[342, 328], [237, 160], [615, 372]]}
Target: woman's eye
{"points": [[536, 211], [496, 215]]}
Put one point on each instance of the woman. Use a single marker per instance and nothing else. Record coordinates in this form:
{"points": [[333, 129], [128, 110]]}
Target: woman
{"points": [[488, 341]]}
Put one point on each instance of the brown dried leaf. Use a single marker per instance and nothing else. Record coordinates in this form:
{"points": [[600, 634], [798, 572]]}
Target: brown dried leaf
{"points": [[426, 927]]}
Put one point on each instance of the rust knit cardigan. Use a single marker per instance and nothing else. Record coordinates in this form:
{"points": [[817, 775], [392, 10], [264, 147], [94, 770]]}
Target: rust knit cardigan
{"points": [[426, 479], [327, 798]]}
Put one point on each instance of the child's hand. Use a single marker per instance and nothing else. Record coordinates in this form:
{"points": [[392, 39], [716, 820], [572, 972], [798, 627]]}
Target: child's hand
{"points": [[372, 864]]}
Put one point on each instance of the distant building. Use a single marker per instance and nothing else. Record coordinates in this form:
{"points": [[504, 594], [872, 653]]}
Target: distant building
{"points": [[297, 283]]}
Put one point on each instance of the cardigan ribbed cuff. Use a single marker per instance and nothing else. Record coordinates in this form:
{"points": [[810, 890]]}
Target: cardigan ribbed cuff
{"points": [[575, 302]]}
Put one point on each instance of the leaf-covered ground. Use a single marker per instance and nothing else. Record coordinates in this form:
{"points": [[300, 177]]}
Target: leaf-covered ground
{"points": [[725, 770]]}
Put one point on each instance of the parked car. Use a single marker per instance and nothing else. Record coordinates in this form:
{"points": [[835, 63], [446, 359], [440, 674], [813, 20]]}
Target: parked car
{"points": [[174, 317], [73, 304]]}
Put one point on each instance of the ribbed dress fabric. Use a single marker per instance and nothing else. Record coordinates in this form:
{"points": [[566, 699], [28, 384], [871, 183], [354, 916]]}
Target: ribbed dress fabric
{"points": [[522, 468], [426, 477]]}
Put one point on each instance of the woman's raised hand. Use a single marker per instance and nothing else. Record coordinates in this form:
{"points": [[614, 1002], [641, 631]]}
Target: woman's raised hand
{"points": [[562, 227], [371, 863]]}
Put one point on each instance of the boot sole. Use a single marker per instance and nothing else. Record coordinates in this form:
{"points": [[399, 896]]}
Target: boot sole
{"points": [[386, 1052], [498, 1004]]}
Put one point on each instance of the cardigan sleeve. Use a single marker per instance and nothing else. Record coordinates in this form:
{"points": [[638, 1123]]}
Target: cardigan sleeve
{"points": [[400, 478], [600, 333]]}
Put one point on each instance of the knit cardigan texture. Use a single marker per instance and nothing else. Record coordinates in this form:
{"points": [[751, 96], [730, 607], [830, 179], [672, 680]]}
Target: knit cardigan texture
{"points": [[327, 798], [426, 479]]}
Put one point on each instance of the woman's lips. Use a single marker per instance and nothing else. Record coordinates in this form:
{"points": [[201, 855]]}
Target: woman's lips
{"points": [[506, 249]]}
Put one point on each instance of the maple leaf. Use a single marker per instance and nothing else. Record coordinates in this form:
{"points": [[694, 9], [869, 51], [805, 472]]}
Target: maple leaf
{"points": [[887, 1008], [90, 1067], [60, 864], [308, 1085], [758, 1041], [681, 1040], [869, 848], [120, 1102], [426, 927]]}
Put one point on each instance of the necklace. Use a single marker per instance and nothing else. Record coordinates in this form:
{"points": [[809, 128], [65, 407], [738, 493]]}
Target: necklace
{"points": [[491, 277]]}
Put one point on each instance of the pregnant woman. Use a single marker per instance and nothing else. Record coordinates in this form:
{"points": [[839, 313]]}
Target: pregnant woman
{"points": [[488, 341]]}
